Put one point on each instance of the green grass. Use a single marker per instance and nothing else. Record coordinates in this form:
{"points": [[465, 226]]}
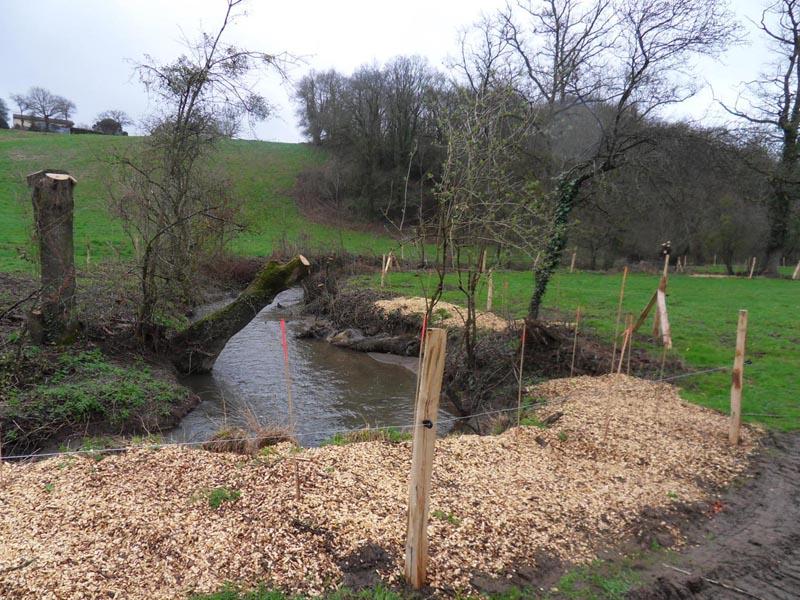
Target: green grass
{"points": [[75, 390], [703, 313], [218, 496], [389, 434], [264, 174]]}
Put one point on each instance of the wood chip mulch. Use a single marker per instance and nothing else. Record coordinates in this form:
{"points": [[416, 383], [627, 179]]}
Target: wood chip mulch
{"points": [[445, 313], [139, 525]]}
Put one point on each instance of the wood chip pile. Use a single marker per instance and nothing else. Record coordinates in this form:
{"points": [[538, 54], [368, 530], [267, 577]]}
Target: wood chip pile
{"points": [[444, 313], [139, 525]]}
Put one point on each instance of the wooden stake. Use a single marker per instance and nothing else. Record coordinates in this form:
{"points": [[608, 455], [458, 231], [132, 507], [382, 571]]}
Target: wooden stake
{"points": [[489, 291], [383, 269], [666, 266], [521, 364], [572, 264], [737, 379], [796, 273], [752, 268], [625, 341], [630, 346], [575, 340], [296, 482], [422, 457], [663, 319], [619, 316]]}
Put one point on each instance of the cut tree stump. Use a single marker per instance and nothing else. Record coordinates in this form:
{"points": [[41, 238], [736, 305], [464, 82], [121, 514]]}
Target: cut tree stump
{"points": [[196, 348], [50, 321]]}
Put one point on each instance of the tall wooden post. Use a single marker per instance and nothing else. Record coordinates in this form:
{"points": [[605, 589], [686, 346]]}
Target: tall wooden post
{"points": [[572, 264], [752, 268], [796, 273], [737, 378], [383, 269], [427, 408], [666, 266], [50, 319]]}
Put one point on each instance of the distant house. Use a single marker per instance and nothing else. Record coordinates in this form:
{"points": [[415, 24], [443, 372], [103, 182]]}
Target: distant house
{"points": [[31, 123]]}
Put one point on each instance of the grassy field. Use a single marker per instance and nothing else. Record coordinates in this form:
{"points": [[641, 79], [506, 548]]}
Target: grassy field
{"points": [[703, 314], [264, 174]]}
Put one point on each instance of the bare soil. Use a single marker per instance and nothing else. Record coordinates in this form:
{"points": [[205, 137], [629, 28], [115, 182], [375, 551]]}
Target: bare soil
{"points": [[751, 548]]}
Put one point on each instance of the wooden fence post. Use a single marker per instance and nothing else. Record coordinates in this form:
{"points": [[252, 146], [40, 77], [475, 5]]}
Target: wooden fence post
{"points": [[796, 273], [572, 264], [752, 268], [427, 407], [666, 266], [383, 269], [737, 378]]}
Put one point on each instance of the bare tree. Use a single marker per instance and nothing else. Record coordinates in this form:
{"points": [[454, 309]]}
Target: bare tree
{"points": [[176, 205], [611, 65], [770, 108], [39, 102]]}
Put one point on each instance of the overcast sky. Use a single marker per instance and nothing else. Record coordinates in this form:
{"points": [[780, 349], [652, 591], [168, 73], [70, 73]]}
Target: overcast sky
{"points": [[82, 49]]}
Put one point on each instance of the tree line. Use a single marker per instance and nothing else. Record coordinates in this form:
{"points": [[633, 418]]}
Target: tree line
{"points": [[580, 89]]}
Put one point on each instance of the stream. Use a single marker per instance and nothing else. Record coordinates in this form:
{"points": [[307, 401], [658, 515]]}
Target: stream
{"points": [[333, 389]]}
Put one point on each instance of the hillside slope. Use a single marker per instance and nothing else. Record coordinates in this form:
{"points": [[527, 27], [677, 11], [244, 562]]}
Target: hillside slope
{"points": [[264, 174]]}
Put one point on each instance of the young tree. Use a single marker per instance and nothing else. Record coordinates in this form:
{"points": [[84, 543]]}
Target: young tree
{"points": [[176, 205], [771, 110], [593, 75], [486, 200], [39, 102]]}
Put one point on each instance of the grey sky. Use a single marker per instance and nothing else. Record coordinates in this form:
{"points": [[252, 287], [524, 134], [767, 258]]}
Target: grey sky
{"points": [[80, 48]]}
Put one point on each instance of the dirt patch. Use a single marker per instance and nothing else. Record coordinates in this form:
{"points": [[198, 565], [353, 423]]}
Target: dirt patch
{"points": [[497, 502], [750, 548]]}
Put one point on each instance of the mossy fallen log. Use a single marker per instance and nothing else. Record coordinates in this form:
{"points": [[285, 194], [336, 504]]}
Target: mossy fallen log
{"points": [[195, 349]]}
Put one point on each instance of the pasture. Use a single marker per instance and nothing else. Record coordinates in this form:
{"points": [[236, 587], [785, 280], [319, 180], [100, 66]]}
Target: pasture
{"points": [[703, 314]]}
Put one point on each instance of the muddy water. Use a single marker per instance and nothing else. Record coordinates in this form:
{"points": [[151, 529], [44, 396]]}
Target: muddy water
{"points": [[333, 389]]}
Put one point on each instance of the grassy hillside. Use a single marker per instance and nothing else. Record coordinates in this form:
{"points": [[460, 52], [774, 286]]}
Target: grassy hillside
{"points": [[703, 313], [264, 174]]}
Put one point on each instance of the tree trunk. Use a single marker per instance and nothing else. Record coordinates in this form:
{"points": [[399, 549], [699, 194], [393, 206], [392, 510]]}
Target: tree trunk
{"points": [[50, 321], [566, 192], [779, 213], [196, 348]]}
